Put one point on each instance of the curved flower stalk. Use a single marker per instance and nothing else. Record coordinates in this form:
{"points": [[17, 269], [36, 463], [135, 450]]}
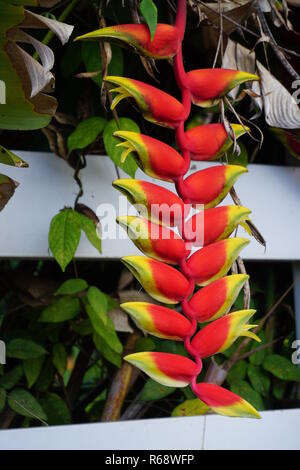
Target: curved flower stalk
{"points": [[169, 272]]}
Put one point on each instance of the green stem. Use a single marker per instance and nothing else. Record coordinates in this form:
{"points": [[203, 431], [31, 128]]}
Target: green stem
{"points": [[66, 12]]}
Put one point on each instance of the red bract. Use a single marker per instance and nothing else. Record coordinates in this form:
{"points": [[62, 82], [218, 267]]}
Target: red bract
{"points": [[161, 208], [164, 45], [207, 85], [156, 105], [211, 141]]}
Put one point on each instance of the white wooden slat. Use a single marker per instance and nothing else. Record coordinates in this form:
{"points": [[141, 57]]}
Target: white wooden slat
{"points": [[277, 430], [273, 194]]}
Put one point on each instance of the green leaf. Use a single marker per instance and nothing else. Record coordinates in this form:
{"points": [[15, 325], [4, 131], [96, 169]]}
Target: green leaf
{"points": [[243, 389], [279, 389], [191, 407], [23, 403], [92, 60], [20, 348], [59, 358], [259, 380], [149, 12], [86, 133], [110, 142], [106, 351], [72, 286], [83, 328], [241, 159], [98, 302], [106, 332], [144, 344], [155, 391], [11, 378], [257, 358], [32, 369], [46, 376], [62, 310], [56, 409], [64, 236], [237, 371], [282, 368], [9, 158], [2, 399], [90, 230]]}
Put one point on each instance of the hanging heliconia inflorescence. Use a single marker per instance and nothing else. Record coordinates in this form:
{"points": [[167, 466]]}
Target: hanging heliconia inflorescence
{"points": [[165, 249]]}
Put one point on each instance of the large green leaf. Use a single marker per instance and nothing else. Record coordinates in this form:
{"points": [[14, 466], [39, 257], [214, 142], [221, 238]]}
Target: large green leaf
{"points": [[32, 369], [21, 348], [282, 368], [11, 378], [23, 403], [86, 133], [56, 409], [110, 355], [25, 105], [72, 286], [155, 391], [62, 310], [64, 236], [110, 142], [98, 302], [59, 358], [89, 228], [105, 331], [149, 12], [243, 389], [191, 407], [259, 379], [237, 371]]}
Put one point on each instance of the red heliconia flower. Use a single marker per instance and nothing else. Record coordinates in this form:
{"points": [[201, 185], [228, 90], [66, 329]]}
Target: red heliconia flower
{"points": [[154, 202], [210, 186], [220, 334], [164, 45], [208, 85], [156, 105], [158, 321], [167, 369], [155, 158], [155, 240], [214, 261], [211, 141], [216, 299], [224, 402], [163, 282], [214, 224]]}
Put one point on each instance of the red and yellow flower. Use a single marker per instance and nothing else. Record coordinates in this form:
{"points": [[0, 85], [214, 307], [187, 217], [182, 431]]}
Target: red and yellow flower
{"points": [[156, 105], [154, 202], [155, 158], [163, 282], [165, 368], [214, 224], [211, 141], [164, 45], [210, 186], [219, 335], [208, 85], [224, 402], [155, 240], [158, 321], [216, 299], [214, 261]]}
